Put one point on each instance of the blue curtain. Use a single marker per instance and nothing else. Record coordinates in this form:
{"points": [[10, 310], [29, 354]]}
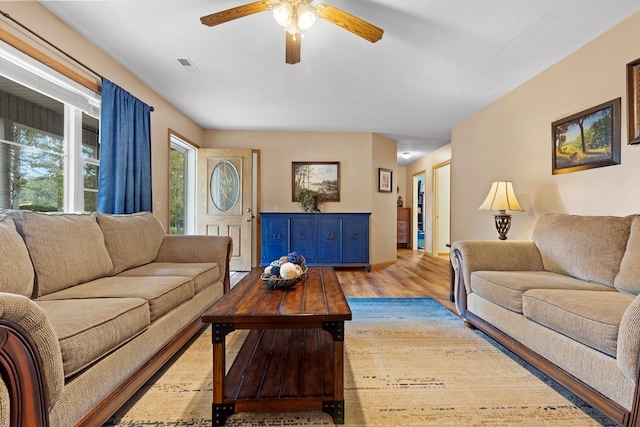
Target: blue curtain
{"points": [[125, 152]]}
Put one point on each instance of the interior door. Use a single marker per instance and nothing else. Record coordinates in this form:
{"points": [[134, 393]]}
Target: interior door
{"points": [[224, 200], [441, 208]]}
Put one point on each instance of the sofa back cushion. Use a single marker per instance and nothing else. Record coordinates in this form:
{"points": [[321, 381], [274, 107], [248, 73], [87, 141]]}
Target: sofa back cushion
{"points": [[586, 247], [131, 240], [16, 270], [66, 249], [628, 278]]}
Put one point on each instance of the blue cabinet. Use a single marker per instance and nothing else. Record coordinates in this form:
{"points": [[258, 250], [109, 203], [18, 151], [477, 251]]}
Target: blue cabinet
{"points": [[329, 239]]}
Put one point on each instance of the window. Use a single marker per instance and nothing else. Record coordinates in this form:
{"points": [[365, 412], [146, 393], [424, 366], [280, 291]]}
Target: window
{"points": [[49, 138], [182, 187], [90, 161]]}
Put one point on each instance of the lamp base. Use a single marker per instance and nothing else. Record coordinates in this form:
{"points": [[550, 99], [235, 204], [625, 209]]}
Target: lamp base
{"points": [[503, 223]]}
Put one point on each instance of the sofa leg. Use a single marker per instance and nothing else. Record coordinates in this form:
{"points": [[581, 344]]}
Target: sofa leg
{"points": [[469, 324]]}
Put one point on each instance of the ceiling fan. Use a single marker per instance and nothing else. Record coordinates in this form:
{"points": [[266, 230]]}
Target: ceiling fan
{"points": [[296, 16]]}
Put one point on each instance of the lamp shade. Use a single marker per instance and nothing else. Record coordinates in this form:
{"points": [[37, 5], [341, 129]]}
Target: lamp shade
{"points": [[282, 13], [501, 197], [306, 16]]}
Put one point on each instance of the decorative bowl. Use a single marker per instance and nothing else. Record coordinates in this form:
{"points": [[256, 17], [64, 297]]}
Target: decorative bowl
{"points": [[275, 282]]}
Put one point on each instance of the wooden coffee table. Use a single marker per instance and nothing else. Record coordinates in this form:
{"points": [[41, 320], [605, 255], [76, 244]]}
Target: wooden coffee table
{"points": [[292, 358]]}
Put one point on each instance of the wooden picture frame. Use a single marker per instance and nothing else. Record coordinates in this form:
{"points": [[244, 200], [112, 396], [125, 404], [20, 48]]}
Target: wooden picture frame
{"points": [[385, 180], [633, 101], [588, 139], [318, 176]]}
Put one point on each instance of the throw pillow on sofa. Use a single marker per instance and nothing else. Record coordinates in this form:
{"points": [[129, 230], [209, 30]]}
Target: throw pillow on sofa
{"points": [[628, 278], [131, 239], [17, 272], [66, 248]]}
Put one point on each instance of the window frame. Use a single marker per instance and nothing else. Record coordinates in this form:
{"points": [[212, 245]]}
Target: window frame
{"points": [[190, 151], [77, 99]]}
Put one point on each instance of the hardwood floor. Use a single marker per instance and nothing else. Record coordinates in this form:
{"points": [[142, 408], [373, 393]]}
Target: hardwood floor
{"points": [[414, 274]]}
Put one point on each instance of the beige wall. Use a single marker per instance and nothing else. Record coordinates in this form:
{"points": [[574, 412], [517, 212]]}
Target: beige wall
{"points": [[165, 116], [383, 220], [424, 165], [401, 185], [360, 155], [511, 140]]}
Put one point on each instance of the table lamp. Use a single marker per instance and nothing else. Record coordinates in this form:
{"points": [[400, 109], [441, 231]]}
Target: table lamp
{"points": [[502, 198]]}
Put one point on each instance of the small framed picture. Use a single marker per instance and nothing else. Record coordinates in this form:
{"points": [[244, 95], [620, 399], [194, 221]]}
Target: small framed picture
{"points": [[384, 180]]}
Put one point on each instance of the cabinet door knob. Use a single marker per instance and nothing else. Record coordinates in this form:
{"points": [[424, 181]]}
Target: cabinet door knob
{"points": [[354, 236], [329, 236], [276, 236], [302, 236]]}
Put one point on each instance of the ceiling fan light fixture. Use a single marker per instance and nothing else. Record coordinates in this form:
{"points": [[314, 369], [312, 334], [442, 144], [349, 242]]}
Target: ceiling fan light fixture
{"points": [[306, 16], [296, 16], [292, 28], [282, 13]]}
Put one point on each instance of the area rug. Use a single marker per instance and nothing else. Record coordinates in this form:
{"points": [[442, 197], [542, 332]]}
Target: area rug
{"points": [[408, 362]]}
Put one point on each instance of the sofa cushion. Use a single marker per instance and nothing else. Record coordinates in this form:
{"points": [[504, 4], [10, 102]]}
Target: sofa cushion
{"points": [[587, 247], [592, 318], [203, 274], [131, 240], [628, 278], [506, 288], [65, 249], [16, 270], [97, 327], [163, 293]]}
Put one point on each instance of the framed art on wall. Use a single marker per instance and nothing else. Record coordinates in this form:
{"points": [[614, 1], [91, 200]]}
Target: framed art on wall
{"points": [[588, 139], [318, 176], [633, 98], [384, 180]]}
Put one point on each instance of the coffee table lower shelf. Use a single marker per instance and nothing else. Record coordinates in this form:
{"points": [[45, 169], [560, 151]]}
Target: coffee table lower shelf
{"points": [[285, 370]]}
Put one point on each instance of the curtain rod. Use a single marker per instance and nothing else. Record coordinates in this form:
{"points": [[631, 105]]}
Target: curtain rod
{"points": [[86, 67]]}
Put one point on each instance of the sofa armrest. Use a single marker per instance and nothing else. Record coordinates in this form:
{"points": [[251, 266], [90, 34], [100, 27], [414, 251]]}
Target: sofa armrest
{"points": [[179, 248], [30, 360], [628, 348], [468, 256]]}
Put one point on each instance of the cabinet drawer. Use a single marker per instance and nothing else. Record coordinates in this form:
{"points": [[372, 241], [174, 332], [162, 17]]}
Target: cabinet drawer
{"points": [[274, 239], [329, 240], [302, 236], [356, 240]]}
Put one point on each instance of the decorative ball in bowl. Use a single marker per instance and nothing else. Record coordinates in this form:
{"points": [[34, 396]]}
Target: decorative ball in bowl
{"points": [[284, 271]]}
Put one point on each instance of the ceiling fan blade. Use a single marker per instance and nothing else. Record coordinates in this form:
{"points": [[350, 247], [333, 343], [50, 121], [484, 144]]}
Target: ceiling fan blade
{"points": [[292, 55], [349, 22], [236, 12]]}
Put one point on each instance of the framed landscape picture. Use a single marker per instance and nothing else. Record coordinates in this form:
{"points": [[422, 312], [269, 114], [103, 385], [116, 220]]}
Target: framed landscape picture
{"points": [[318, 176], [588, 139]]}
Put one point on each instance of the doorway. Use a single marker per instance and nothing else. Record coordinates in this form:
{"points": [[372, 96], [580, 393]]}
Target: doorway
{"points": [[418, 215], [441, 209]]}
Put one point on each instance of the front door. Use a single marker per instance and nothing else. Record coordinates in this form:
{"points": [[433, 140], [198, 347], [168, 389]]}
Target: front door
{"points": [[224, 200]]}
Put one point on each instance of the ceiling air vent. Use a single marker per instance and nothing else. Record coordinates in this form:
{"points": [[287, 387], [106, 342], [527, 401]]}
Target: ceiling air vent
{"points": [[188, 65]]}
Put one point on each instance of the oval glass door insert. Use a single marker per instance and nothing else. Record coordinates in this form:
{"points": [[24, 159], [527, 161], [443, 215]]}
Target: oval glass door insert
{"points": [[224, 186]]}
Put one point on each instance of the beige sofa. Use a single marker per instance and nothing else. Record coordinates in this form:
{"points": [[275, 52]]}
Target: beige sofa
{"points": [[91, 305], [566, 302]]}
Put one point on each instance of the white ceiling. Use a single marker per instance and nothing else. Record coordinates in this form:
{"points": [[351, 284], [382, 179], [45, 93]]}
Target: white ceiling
{"points": [[439, 61]]}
